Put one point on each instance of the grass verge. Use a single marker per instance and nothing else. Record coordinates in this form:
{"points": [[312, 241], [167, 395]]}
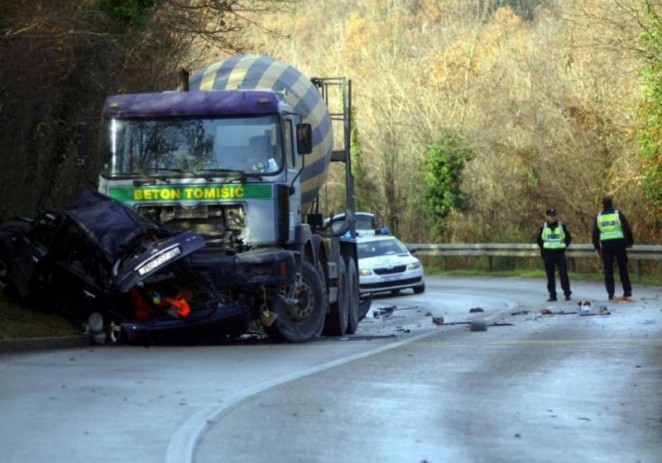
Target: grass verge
{"points": [[20, 322]]}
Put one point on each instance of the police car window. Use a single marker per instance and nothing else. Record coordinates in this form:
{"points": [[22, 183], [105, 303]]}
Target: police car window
{"points": [[366, 250]]}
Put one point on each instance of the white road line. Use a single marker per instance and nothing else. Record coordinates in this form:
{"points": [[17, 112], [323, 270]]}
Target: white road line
{"points": [[184, 441]]}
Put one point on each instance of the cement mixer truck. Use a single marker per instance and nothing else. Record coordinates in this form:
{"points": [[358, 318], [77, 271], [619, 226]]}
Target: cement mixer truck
{"points": [[238, 155]]}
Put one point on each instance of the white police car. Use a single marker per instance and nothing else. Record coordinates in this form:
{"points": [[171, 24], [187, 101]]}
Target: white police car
{"points": [[385, 264]]}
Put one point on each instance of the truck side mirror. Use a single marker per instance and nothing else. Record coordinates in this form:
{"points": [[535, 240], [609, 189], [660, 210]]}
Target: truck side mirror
{"points": [[304, 139], [83, 142]]}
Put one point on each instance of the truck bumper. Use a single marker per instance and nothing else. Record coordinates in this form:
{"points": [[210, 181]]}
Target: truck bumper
{"points": [[265, 267]]}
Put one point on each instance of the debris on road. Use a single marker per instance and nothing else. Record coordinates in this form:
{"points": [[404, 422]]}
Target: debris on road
{"points": [[474, 325], [384, 312], [619, 299], [521, 312], [438, 320], [584, 306], [476, 310], [477, 325]]}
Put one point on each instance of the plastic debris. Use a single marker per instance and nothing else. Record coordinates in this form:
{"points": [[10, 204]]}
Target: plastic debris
{"points": [[438, 320], [383, 311], [584, 307], [477, 325], [521, 312]]}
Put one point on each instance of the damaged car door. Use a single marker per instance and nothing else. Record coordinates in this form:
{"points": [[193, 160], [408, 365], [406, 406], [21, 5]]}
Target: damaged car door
{"points": [[30, 256]]}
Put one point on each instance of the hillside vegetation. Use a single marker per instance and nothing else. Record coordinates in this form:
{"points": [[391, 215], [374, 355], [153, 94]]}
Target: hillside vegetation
{"points": [[470, 117]]}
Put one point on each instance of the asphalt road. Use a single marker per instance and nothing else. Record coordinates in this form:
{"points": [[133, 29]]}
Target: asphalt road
{"points": [[531, 387]]}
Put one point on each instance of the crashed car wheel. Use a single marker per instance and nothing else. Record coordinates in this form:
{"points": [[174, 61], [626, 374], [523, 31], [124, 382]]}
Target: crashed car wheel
{"points": [[105, 330]]}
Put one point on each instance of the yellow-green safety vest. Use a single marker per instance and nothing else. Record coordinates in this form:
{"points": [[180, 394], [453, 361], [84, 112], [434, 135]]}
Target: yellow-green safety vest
{"points": [[553, 239], [610, 226]]}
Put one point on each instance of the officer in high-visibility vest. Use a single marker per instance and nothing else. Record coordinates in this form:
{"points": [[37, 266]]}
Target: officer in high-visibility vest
{"points": [[553, 239], [612, 236]]}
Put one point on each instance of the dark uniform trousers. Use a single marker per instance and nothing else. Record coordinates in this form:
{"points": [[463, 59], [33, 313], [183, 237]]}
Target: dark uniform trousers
{"points": [[620, 255], [557, 260]]}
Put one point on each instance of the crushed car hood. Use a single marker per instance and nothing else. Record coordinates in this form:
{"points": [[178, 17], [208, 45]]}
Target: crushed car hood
{"points": [[115, 228]]}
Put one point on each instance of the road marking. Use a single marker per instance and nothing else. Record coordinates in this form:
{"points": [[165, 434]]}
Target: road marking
{"points": [[185, 439]]}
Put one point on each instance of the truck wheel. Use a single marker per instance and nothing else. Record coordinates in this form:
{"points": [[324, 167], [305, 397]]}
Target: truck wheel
{"points": [[338, 316], [302, 322], [352, 297]]}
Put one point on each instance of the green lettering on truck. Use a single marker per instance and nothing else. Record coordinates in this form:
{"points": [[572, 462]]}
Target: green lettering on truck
{"points": [[199, 193]]}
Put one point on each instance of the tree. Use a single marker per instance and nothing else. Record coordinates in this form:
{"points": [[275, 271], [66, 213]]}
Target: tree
{"points": [[442, 172], [62, 57], [650, 137]]}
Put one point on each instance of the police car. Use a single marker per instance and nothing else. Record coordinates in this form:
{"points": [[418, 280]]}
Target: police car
{"points": [[386, 265]]}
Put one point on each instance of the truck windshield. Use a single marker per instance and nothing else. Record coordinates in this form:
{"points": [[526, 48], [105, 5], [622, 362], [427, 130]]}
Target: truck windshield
{"points": [[186, 146]]}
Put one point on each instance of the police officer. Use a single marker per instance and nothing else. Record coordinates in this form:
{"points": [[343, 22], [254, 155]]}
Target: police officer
{"points": [[553, 239], [612, 236]]}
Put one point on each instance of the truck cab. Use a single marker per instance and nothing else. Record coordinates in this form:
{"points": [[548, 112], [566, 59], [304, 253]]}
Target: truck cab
{"points": [[196, 160]]}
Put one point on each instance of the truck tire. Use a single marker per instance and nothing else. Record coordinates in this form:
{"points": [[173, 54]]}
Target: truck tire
{"points": [[352, 297], [303, 322], [337, 319]]}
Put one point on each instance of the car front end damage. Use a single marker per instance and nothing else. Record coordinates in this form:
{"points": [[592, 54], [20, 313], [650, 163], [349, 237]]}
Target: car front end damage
{"points": [[126, 277]]}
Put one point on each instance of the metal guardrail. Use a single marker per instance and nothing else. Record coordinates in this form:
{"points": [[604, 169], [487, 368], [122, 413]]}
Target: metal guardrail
{"points": [[642, 252], [644, 255]]}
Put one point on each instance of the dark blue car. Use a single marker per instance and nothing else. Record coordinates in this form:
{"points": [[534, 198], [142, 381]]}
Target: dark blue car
{"points": [[122, 275]]}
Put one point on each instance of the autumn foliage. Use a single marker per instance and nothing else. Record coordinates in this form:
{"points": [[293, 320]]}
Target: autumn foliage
{"points": [[545, 95]]}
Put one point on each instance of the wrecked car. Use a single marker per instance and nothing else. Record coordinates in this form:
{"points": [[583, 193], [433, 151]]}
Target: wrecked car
{"points": [[122, 275]]}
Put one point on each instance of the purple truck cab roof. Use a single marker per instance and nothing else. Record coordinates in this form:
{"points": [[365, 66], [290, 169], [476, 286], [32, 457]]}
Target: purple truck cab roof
{"points": [[191, 104]]}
